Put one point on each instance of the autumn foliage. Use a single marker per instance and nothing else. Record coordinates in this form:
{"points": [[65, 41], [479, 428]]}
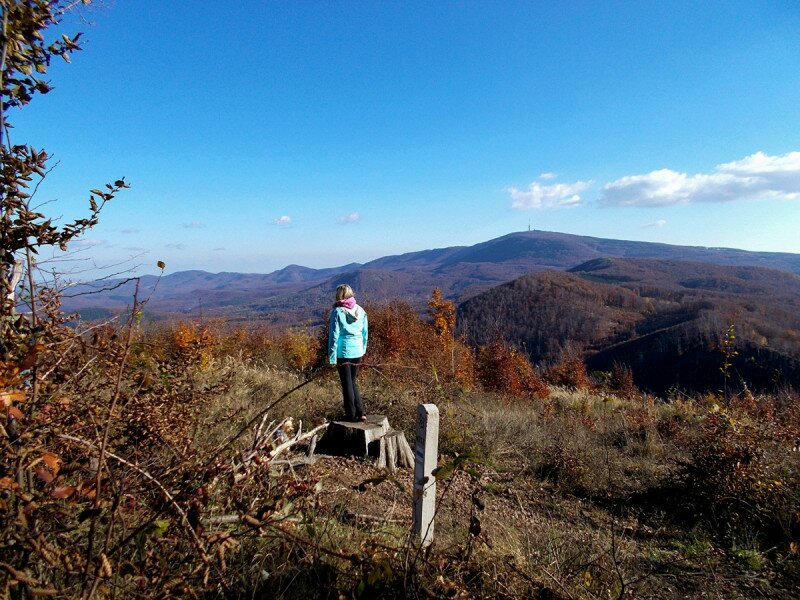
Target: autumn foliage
{"points": [[194, 344], [300, 348], [405, 347], [744, 468], [123, 456], [569, 372], [503, 369], [443, 315]]}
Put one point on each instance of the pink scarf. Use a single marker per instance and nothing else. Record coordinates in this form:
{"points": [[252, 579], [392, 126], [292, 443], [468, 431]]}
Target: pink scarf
{"points": [[348, 303]]}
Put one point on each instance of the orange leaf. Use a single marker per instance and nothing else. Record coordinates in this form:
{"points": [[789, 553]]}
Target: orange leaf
{"points": [[87, 490], [51, 460], [16, 413], [7, 398], [63, 491], [30, 358]]}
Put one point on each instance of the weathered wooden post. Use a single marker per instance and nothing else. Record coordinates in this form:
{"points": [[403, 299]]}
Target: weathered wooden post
{"points": [[424, 481]]}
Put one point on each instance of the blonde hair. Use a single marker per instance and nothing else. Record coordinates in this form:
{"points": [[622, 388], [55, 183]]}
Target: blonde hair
{"points": [[343, 292]]}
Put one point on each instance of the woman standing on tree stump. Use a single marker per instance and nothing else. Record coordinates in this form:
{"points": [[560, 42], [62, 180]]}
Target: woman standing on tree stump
{"points": [[347, 343]]}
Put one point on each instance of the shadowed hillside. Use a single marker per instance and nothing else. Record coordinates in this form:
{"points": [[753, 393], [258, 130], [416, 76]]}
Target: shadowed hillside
{"points": [[663, 318]]}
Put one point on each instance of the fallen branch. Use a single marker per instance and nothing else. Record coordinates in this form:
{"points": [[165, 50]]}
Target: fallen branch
{"points": [[297, 439], [256, 418], [366, 517]]}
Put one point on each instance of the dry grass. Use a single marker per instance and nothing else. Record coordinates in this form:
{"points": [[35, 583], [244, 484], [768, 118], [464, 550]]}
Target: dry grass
{"points": [[568, 484], [582, 494]]}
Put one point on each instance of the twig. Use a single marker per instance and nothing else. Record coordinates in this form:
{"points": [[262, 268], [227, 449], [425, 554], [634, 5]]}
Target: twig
{"points": [[382, 519], [106, 432], [184, 519], [104, 289], [222, 519]]}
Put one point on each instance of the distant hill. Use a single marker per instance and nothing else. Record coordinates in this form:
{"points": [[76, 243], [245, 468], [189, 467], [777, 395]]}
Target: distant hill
{"points": [[299, 294], [663, 318]]}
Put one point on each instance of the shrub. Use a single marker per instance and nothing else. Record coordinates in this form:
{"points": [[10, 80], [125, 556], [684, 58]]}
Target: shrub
{"points": [[622, 380], [194, 344], [299, 348], [569, 372], [742, 476], [503, 369], [411, 351]]}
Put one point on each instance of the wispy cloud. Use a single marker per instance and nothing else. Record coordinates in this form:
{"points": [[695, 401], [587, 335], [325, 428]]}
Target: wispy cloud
{"points": [[88, 243], [129, 231], [755, 177], [134, 249], [194, 225], [557, 195], [283, 221], [219, 249], [655, 224], [176, 246], [548, 175], [347, 219]]}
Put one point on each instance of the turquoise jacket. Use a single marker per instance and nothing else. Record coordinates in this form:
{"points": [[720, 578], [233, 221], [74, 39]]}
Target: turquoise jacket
{"points": [[347, 333]]}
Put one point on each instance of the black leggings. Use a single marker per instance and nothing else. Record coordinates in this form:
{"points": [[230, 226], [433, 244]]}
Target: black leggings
{"points": [[348, 371]]}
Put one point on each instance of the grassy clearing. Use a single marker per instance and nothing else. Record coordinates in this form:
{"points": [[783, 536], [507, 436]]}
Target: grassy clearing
{"points": [[578, 492]]}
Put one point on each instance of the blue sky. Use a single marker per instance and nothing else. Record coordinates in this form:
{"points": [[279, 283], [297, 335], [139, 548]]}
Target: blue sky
{"points": [[259, 134]]}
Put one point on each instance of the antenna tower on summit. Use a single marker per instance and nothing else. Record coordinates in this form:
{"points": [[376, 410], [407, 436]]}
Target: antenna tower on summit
{"points": [[529, 225]]}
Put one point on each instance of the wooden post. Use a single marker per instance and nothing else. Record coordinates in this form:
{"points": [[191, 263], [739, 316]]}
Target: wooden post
{"points": [[424, 480]]}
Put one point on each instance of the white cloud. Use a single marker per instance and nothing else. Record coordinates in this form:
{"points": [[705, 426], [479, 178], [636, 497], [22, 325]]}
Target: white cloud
{"points": [[346, 219], [129, 231], [219, 249], [658, 224], [176, 246], [283, 221], [755, 177], [557, 195], [548, 175], [194, 225]]}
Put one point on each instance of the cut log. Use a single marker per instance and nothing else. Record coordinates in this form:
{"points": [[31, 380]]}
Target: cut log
{"points": [[395, 452], [312, 445], [405, 455]]}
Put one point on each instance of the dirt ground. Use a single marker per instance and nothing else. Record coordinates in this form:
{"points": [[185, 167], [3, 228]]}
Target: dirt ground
{"points": [[559, 544]]}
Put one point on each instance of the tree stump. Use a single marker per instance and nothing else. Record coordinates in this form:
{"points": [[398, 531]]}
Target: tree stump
{"points": [[345, 438], [395, 451], [372, 437]]}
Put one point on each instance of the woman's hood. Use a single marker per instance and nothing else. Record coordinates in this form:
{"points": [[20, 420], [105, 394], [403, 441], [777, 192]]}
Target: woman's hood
{"points": [[353, 314]]}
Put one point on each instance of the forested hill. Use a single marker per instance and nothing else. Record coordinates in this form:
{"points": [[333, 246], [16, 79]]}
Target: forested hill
{"points": [[663, 318], [296, 294]]}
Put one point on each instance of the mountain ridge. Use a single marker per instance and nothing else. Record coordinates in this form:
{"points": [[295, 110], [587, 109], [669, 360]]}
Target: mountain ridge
{"points": [[296, 293]]}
